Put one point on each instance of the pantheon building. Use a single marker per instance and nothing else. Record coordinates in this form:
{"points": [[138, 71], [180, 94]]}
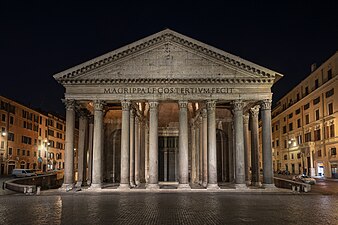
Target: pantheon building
{"points": [[168, 109]]}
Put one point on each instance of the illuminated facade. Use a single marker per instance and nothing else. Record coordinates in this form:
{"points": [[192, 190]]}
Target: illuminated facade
{"points": [[304, 124], [30, 139], [167, 108]]}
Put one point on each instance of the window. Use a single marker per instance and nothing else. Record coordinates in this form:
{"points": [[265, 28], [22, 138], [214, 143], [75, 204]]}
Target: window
{"points": [[28, 153], [290, 115], [333, 151], [285, 144], [51, 133], [292, 157], [277, 127], [329, 93], [18, 151], [10, 151], [299, 155], [329, 74], [316, 101], [330, 108], [11, 120], [23, 152], [277, 143], [3, 118], [290, 126], [297, 111], [34, 153], [307, 119], [306, 90], [332, 134], [299, 124], [2, 144], [59, 126], [308, 137], [285, 157], [317, 114], [273, 144], [26, 140], [273, 130], [317, 135], [306, 106], [298, 97], [10, 136], [284, 129], [319, 153], [316, 83]]}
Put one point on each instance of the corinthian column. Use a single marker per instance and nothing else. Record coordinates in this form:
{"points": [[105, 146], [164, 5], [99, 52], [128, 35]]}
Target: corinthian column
{"points": [[97, 145], [69, 145], [246, 147], [239, 143], [254, 146], [212, 159], [153, 146], [266, 144], [137, 151], [183, 146], [125, 141]]}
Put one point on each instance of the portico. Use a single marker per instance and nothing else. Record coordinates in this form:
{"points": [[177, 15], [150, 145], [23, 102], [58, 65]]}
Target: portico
{"points": [[168, 108]]}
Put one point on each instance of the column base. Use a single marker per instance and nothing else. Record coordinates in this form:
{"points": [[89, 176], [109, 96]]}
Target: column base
{"points": [[137, 183], [241, 186], [66, 187], [124, 187], [248, 182], [152, 187], [269, 186], [256, 184], [132, 184], [213, 187], [184, 187], [204, 184], [78, 184], [89, 182], [95, 187]]}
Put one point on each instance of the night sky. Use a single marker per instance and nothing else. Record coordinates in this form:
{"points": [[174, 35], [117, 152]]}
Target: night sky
{"points": [[40, 39]]}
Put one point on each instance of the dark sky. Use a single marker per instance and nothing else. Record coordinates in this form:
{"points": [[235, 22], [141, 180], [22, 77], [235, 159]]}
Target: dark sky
{"points": [[42, 38]]}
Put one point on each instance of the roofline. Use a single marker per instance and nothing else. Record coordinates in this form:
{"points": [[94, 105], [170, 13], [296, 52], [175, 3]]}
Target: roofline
{"points": [[149, 40]]}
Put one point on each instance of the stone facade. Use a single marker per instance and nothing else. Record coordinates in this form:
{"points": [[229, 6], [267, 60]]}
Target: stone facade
{"points": [[304, 124], [167, 107]]}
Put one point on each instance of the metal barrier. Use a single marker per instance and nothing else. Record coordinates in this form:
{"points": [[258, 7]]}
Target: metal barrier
{"points": [[293, 185]]}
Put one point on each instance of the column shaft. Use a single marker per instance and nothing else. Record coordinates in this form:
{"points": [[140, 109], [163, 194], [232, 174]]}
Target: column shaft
{"points": [[239, 142], [193, 154], [212, 153], [246, 147], [205, 147], [132, 148], [137, 152], [69, 145], [81, 150], [90, 149], [125, 145], [153, 146], [97, 145], [197, 143], [266, 144], [254, 146]]}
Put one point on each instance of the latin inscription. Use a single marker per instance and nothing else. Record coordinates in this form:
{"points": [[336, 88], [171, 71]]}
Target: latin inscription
{"points": [[169, 90]]}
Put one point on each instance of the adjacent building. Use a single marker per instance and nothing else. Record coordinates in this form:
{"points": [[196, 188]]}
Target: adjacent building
{"points": [[304, 124], [30, 139]]}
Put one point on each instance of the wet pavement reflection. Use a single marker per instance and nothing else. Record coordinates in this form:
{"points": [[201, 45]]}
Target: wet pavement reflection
{"points": [[169, 208]]}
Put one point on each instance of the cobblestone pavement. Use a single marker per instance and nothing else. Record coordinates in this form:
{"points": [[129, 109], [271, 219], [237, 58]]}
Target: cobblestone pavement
{"points": [[168, 208]]}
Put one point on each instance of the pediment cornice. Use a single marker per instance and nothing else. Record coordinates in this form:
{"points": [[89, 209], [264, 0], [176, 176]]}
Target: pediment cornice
{"points": [[70, 76]]}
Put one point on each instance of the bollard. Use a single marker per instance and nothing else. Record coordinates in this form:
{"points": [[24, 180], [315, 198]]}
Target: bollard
{"points": [[298, 188], [293, 188], [305, 189], [24, 190], [38, 190]]}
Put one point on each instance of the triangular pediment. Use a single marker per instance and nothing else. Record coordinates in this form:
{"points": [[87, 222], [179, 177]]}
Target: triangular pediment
{"points": [[166, 55]]}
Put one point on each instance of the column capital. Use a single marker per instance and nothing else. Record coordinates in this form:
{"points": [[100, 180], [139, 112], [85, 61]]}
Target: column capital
{"points": [[132, 112], [246, 118], [204, 113], [266, 104], [69, 103], [237, 105], [83, 113], [98, 105], [211, 105], [254, 111], [125, 105], [182, 104], [153, 104]]}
